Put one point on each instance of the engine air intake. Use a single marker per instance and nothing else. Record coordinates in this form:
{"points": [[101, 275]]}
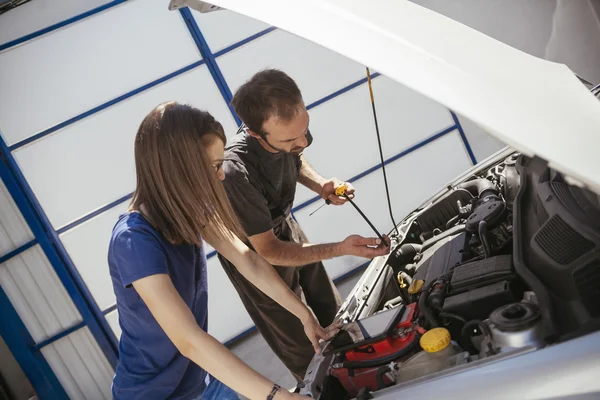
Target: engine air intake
{"points": [[561, 242]]}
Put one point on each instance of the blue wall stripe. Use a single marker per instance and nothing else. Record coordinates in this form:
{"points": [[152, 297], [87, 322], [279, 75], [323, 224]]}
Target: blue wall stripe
{"points": [[403, 153], [47, 238], [104, 105], [59, 336], [204, 51], [464, 138], [378, 166], [211, 63], [110, 309], [240, 336], [353, 271], [93, 214], [72, 329], [17, 251], [243, 42], [341, 91], [34, 365], [60, 24]]}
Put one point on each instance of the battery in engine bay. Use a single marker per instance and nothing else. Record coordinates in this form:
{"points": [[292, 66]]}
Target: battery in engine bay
{"points": [[478, 287], [481, 272], [361, 345]]}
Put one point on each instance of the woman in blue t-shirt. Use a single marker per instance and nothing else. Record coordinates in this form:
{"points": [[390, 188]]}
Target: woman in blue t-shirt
{"points": [[158, 267]]}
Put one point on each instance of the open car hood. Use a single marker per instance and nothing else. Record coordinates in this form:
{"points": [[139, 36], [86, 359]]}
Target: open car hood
{"points": [[538, 107]]}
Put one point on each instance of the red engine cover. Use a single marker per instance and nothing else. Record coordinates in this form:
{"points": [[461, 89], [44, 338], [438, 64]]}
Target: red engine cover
{"points": [[354, 380]]}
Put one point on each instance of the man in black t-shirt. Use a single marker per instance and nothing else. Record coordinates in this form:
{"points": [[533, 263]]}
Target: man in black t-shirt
{"points": [[262, 166]]}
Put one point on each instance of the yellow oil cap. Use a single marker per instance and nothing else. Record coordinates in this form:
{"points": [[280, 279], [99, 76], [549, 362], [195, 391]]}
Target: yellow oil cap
{"points": [[416, 286], [435, 339]]}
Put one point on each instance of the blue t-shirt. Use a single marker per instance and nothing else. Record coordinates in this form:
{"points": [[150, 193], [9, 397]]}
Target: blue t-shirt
{"points": [[150, 366]]}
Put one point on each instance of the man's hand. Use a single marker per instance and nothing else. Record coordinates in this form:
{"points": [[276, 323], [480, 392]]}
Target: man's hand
{"points": [[359, 246], [315, 332], [328, 191]]}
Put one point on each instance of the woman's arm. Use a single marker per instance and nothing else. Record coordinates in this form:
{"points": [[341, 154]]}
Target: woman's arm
{"points": [[262, 275], [178, 322]]}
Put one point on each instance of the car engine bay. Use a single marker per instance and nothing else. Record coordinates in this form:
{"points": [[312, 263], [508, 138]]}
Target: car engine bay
{"points": [[504, 260]]}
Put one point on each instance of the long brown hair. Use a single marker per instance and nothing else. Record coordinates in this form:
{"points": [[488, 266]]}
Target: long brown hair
{"points": [[177, 187]]}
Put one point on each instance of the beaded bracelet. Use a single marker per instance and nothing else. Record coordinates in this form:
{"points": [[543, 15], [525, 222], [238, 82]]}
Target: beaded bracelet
{"points": [[275, 389]]}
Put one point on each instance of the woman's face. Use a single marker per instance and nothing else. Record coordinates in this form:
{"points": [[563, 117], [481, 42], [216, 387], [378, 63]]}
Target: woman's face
{"points": [[216, 151]]}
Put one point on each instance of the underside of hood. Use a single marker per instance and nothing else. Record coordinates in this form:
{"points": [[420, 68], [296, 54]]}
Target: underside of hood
{"points": [[536, 106]]}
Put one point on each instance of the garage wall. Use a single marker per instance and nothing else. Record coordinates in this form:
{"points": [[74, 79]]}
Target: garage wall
{"points": [[72, 98]]}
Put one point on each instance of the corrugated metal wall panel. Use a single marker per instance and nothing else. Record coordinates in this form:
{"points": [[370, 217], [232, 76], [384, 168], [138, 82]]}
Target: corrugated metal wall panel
{"points": [[14, 231], [62, 372], [80, 366], [38, 296]]}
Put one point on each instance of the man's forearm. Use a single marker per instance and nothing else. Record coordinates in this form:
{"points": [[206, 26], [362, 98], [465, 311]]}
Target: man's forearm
{"points": [[309, 177], [291, 254]]}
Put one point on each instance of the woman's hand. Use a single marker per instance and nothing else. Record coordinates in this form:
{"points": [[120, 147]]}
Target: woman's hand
{"points": [[315, 332]]}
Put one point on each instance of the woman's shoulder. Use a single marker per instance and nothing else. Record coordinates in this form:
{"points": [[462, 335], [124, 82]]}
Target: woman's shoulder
{"points": [[135, 250], [133, 224], [131, 220]]}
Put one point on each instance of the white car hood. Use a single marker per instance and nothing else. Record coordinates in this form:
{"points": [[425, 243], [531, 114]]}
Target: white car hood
{"points": [[538, 107]]}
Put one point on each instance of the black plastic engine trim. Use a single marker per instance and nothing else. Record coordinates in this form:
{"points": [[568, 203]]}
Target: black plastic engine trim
{"points": [[521, 268]]}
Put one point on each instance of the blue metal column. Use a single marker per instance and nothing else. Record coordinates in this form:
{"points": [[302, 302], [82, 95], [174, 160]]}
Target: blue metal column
{"points": [[209, 58], [463, 137], [32, 362], [48, 240]]}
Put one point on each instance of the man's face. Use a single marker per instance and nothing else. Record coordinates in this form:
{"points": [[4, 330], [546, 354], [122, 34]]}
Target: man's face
{"points": [[285, 136]]}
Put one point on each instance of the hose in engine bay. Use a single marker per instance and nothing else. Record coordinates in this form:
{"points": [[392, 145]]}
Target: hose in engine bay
{"points": [[426, 311], [378, 362], [483, 237], [477, 187], [379, 377], [453, 316]]}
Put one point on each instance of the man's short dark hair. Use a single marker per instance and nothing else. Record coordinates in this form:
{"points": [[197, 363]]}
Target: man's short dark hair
{"points": [[268, 93]]}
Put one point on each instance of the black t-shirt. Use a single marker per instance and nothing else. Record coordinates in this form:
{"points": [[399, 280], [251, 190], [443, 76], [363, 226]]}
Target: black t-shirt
{"points": [[260, 185]]}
